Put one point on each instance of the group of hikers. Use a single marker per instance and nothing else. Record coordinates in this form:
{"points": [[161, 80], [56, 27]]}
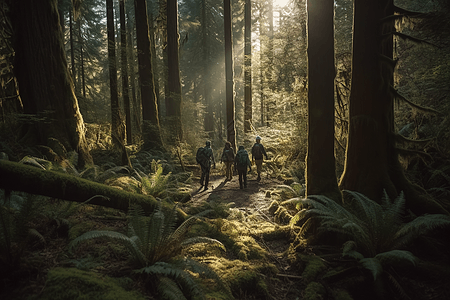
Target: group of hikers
{"points": [[240, 161]]}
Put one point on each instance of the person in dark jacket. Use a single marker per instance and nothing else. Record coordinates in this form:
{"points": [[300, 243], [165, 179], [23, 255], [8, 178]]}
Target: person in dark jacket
{"points": [[241, 162], [228, 158], [205, 164], [258, 152]]}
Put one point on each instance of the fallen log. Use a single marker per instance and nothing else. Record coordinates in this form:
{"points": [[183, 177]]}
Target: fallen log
{"points": [[20, 177]]}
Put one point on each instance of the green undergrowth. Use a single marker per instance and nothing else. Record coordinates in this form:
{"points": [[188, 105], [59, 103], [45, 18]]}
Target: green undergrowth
{"points": [[74, 284], [246, 265]]}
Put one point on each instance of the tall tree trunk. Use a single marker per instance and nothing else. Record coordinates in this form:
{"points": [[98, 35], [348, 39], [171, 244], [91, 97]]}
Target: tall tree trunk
{"points": [[320, 161], [124, 67], [231, 127], [173, 109], [132, 58], [156, 75], [45, 84], [372, 165], [209, 117], [248, 67], [81, 42], [117, 125], [269, 68], [152, 130], [72, 49], [261, 67]]}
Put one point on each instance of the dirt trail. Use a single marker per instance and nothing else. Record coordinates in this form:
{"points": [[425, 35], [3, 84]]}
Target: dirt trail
{"points": [[253, 198]]}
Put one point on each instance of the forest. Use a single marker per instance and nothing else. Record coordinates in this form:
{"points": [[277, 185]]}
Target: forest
{"points": [[105, 103]]}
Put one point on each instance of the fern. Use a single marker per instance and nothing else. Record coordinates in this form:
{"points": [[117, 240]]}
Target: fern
{"points": [[156, 244], [17, 213], [170, 290], [375, 232]]}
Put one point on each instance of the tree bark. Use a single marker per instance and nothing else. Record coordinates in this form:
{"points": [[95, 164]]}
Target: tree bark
{"points": [[320, 161], [19, 177], [124, 67], [269, 102], [117, 125], [173, 109], [248, 67], [231, 126], [46, 87], [209, 115], [156, 73], [151, 128], [372, 165]]}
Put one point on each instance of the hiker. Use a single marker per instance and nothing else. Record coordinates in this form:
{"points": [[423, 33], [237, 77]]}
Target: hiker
{"points": [[257, 155], [241, 162], [204, 157], [228, 158]]}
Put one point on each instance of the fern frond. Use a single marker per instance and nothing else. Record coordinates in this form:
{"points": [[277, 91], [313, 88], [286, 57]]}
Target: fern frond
{"points": [[373, 265], [396, 258], [31, 161], [393, 211], [203, 240], [169, 289], [419, 226], [34, 233], [171, 221], [155, 231], [365, 208], [119, 237], [174, 271], [183, 228], [349, 250]]}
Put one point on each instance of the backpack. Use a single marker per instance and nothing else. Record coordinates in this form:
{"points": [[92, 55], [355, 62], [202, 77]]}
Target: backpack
{"points": [[201, 157], [227, 155], [256, 151], [242, 159]]}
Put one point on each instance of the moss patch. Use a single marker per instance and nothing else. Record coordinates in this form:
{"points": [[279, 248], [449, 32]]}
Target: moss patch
{"points": [[243, 277], [314, 267], [315, 291], [74, 284]]}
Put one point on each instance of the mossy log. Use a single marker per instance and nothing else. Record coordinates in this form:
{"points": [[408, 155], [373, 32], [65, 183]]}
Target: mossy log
{"points": [[19, 177]]}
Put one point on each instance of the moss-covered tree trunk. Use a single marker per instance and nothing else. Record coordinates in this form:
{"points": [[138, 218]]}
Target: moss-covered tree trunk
{"points": [[372, 164], [320, 161], [173, 97], [19, 177], [45, 84], [151, 128]]}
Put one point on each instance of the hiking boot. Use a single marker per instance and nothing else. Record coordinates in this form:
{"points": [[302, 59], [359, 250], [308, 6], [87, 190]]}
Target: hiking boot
{"points": [[241, 187], [205, 188], [259, 178]]}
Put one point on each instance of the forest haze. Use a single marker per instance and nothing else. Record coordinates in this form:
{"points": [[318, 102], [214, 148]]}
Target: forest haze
{"points": [[104, 104]]}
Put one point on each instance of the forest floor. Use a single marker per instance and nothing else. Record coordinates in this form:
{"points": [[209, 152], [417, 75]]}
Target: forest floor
{"points": [[286, 280], [102, 257], [255, 200]]}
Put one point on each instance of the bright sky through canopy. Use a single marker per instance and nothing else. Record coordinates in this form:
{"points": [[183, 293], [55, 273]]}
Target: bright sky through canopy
{"points": [[280, 3]]}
